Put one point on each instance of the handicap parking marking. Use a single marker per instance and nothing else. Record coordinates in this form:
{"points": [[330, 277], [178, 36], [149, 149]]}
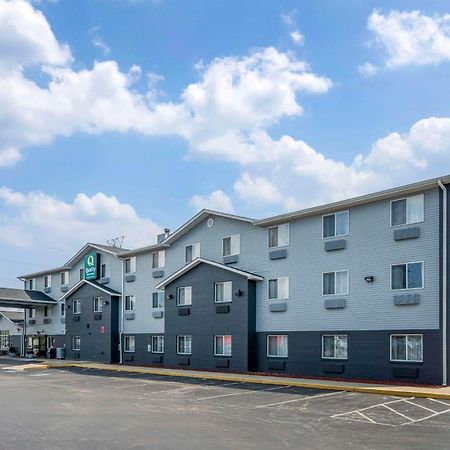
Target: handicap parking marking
{"points": [[309, 397], [245, 392]]}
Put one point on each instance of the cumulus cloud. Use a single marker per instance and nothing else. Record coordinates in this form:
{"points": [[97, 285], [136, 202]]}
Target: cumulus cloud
{"points": [[216, 200], [98, 41], [367, 70]]}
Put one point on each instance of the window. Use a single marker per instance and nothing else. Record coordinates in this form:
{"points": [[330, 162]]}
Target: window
{"points": [[334, 346], [158, 299], [4, 340], [65, 278], [184, 296], [50, 342], [76, 306], [159, 260], [32, 284], [407, 210], [130, 265], [279, 288], [48, 281], [76, 343], [32, 312], [157, 344], [231, 245], [279, 235], [407, 347], [184, 345], [335, 283], [407, 276], [62, 310], [30, 342], [335, 224], [129, 344], [81, 273], [98, 304], [192, 252], [129, 302], [223, 292], [222, 345], [104, 270], [277, 346], [46, 311]]}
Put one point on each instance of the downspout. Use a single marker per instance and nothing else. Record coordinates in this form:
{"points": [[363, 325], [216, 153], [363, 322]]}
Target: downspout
{"points": [[122, 326], [444, 283]]}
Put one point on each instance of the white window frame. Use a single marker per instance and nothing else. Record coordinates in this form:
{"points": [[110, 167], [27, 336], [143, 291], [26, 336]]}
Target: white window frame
{"points": [[278, 288], [126, 344], [99, 303], [47, 312], [32, 312], [335, 271], [195, 255], [76, 339], [267, 346], [237, 241], [288, 236], [215, 292], [178, 296], [161, 340], [334, 336], [132, 299], [215, 344], [62, 308], [406, 335], [132, 265], [81, 273], [65, 278], [31, 284], [407, 288], [50, 342], [335, 233], [78, 301], [406, 198], [48, 281], [161, 259], [107, 270], [178, 344], [160, 299]]}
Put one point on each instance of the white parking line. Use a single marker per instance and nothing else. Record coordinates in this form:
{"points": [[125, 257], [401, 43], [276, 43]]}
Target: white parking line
{"points": [[439, 401], [397, 412], [420, 406], [426, 418], [241, 393], [370, 407], [310, 397]]}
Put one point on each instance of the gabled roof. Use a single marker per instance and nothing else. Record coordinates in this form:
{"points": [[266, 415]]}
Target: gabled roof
{"points": [[191, 223], [15, 317], [197, 261], [44, 272], [98, 286], [20, 298]]}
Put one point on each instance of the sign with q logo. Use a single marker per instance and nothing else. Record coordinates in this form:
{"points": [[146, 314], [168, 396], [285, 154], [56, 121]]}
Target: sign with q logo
{"points": [[91, 266]]}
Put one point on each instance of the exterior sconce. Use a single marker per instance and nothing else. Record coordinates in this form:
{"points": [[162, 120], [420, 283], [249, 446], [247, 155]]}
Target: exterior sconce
{"points": [[369, 279], [170, 296], [239, 293]]}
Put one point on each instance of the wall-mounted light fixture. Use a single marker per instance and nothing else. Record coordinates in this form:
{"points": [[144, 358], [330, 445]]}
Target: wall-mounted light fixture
{"points": [[369, 278], [239, 293], [170, 296]]}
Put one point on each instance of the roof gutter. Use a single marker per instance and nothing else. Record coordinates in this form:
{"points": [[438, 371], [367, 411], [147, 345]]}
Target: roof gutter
{"points": [[444, 282]]}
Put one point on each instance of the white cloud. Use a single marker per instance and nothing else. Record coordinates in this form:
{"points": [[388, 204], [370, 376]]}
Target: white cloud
{"points": [[36, 218], [216, 200], [411, 38], [367, 70], [297, 37], [97, 41]]}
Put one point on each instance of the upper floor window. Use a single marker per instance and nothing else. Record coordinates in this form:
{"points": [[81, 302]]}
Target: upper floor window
{"points": [[130, 265], [157, 299], [277, 346], [104, 270], [76, 306], [129, 344], [222, 345], [223, 291], [407, 276], [130, 301], [407, 210], [335, 224], [335, 283], [48, 281], [32, 312], [192, 252], [407, 347], [279, 288], [65, 278], [184, 296], [81, 273], [157, 344], [62, 310], [98, 304], [278, 235], [31, 284], [46, 311], [334, 346], [231, 245], [159, 259]]}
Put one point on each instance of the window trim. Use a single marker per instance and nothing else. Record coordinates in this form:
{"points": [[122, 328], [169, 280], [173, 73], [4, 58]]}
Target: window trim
{"points": [[159, 266], [62, 308], [32, 312], [215, 292], [178, 337], [192, 245], [334, 214], [107, 270], [278, 281], [230, 237], [96, 309], [160, 336], [33, 284], [160, 294], [267, 346], [74, 338], [65, 278], [125, 265], [131, 302], [406, 346], [81, 273], [288, 236], [215, 345], [49, 278], [406, 198], [73, 309], [334, 271], [407, 288], [333, 357], [127, 338], [186, 304]]}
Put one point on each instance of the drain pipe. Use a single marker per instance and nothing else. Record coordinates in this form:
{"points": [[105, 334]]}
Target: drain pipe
{"points": [[122, 326], [444, 283]]}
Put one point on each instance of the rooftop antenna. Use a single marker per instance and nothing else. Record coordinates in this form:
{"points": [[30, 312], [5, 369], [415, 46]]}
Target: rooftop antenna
{"points": [[116, 242]]}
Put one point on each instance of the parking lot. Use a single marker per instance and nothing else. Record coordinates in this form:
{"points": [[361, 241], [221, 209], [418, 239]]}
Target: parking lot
{"points": [[83, 408]]}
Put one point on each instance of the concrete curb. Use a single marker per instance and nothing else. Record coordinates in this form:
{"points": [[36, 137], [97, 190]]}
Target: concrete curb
{"points": [[398, 391]]}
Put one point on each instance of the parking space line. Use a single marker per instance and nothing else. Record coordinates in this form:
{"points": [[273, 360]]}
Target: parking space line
{"points": [[420, 406], [241, 393], [439, 401], [370, 407], [426, 418], [310, 397], [396, 412], [366, 417]]}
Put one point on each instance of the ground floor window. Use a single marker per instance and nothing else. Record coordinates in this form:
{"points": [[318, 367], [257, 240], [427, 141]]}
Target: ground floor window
{"points": [[50, 342], [76, 343], [4, 340], [334, 346], [157, 344], [222, 345], [277, 345], [30, 342], [184, 345], [407, 347], [129, 344]]}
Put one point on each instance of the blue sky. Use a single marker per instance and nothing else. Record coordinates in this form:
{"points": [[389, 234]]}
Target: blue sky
{"points": [[125, 116]]}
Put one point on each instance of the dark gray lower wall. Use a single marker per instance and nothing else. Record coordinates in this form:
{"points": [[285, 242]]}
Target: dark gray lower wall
{"points": [[368, 357], [141, 355]]}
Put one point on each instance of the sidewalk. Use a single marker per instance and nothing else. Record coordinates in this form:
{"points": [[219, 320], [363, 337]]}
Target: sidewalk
{"points": [[442, 393]]}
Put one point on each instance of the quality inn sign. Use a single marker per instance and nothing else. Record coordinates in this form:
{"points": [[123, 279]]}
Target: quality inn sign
{"points": [[91, 266]]}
